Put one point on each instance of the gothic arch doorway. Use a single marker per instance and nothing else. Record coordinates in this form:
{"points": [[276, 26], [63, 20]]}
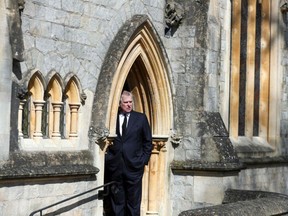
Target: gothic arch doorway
{"points": [[139, 66]]}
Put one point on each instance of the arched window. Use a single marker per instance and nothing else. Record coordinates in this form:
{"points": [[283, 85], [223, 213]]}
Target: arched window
{"points": [[72, 104], [49, 112], [31, 120], [54, 106]]}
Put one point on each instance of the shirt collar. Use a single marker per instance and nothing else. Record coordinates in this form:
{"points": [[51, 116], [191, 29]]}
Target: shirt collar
{"points": [[122, 114]]}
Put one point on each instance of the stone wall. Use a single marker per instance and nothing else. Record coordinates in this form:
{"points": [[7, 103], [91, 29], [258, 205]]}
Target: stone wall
{"points": [[200, 189], [23, 199], [75, 36]]}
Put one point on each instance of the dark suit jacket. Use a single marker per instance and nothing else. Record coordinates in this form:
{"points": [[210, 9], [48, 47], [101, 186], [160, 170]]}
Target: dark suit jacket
{"points": [[135, 149]]}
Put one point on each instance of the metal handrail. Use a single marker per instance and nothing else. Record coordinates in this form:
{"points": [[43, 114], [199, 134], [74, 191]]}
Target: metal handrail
{"points": [[65, 200]]}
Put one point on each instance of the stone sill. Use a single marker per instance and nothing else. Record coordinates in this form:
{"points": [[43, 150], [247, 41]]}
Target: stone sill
{"points": [[265, 161], [23, 165], [200, 166], [48, 171], [214, 167], [254, 147]]}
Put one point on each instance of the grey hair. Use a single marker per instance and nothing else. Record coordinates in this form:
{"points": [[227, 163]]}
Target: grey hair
{"points": [[126, 93]]}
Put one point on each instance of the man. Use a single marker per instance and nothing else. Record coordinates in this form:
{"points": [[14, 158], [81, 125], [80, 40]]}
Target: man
{"points": [[126, 158]]}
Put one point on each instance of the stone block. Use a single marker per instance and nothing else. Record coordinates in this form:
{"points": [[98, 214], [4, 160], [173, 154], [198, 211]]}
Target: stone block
{"points": [[208, 189]]}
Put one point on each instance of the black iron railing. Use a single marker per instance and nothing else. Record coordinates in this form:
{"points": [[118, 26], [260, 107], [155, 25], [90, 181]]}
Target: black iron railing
{"points": [[103, 193]]}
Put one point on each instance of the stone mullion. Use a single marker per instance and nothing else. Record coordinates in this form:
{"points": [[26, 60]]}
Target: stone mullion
{"points": [[274, 77], [250, 69], [265, 70], [235, 68], [73, 120], [38, 118], [20, 117], [56, 119]]}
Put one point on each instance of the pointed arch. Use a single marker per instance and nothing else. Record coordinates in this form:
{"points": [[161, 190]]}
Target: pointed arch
{"points": [[36, 86], [72, 90], [35, 104], [143, 51], [53, 106], [137, 43], [55, 88], [72, 104]]}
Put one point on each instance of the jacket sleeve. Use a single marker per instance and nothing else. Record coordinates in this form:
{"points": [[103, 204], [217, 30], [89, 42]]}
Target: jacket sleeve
{"points": [[147, 140]]}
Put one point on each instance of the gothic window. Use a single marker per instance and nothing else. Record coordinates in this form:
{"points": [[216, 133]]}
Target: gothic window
{"points": [[72, 104], [54, 101], [34, 107], [52, 113], [250, 70]]}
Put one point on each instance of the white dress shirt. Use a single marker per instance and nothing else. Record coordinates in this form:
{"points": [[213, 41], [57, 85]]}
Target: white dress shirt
{"points": [[121, 120]]}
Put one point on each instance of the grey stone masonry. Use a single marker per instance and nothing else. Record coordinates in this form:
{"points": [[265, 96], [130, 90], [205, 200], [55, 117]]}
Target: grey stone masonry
{"points": [[35, 165], [217, 152]]}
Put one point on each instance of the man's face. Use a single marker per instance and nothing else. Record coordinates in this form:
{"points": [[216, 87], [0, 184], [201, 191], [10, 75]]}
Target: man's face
{"points": [[126, 104]]}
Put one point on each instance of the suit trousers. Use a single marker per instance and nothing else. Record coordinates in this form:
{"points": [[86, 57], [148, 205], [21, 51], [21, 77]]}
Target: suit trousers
{"points": [[127, 192]]}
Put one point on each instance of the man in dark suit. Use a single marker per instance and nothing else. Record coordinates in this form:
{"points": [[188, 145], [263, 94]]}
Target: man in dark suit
{"points": [[126, 158]]}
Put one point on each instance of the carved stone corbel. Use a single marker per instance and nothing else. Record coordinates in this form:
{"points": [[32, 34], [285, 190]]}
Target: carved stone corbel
{"points": [[22, 93], [98, 135], [159, 143], [83, 98], [101, 136], [176, 139]]}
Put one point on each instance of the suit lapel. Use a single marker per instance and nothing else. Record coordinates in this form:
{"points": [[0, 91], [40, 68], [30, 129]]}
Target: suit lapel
{"points": [[131, 122], [117, 125]]}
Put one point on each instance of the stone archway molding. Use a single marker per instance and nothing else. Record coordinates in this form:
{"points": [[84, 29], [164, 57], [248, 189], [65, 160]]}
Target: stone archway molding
{"points": [[135, 39]]}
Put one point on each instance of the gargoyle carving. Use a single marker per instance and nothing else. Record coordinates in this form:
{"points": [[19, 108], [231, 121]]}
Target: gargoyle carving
{"points": [[174, 14], [98, 135]]}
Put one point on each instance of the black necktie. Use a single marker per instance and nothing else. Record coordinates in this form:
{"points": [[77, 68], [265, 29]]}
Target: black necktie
{"points": [[124, 125]]}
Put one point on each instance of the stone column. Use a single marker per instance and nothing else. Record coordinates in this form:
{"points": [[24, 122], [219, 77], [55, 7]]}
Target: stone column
{"points": [[20, 117], [56, 119], [154, 176], [73, 120], [38, 118]]}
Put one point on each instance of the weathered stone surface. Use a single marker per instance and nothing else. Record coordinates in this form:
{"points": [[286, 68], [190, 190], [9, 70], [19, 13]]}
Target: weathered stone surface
{"points": [[43, 164], [240, 202], [217, 151]]}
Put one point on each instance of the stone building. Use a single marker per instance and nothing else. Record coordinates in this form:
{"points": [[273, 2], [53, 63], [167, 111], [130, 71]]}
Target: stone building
{"points": [[210, 75]]}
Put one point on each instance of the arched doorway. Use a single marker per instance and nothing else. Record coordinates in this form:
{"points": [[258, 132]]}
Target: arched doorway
{"points": [[139, 65]]}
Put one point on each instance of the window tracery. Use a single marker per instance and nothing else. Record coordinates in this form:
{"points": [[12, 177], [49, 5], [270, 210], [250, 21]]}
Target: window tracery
{"points": [[49, 111]]}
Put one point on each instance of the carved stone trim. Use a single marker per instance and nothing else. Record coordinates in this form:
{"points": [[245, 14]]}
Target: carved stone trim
{"points": [[159, 142]]}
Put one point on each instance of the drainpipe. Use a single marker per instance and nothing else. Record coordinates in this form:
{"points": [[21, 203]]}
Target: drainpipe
{"points": [[5, 82]]}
